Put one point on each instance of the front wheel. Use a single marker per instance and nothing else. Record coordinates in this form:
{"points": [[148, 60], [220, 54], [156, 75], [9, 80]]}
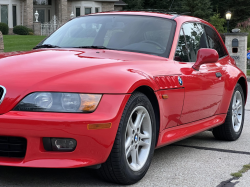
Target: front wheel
{"points": [[134, 145], [232, 128]]}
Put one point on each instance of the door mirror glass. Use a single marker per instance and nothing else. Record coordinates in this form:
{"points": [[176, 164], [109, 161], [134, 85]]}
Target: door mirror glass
{"points": [[205, 56]]}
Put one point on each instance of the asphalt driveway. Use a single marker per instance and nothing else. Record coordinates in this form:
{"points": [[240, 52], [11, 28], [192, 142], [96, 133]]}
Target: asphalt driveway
{"points": [[198, 161]]}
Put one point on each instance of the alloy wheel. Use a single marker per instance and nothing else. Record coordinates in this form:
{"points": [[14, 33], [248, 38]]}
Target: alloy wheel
{"points": [[138, 138], [237, 111]]}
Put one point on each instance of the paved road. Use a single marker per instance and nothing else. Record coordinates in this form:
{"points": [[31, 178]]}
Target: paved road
{"points": [[200, 161]]}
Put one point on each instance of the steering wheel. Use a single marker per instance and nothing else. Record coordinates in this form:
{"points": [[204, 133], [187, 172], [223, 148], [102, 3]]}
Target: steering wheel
{"points": [[155, 43]]}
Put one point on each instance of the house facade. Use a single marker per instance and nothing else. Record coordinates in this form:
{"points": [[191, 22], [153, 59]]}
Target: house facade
{"points": [[21, 12]]}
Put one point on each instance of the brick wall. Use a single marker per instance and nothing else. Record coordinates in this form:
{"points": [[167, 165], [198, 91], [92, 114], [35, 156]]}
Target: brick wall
{"points": [[118, 8], [240, 56], [107, 7], [69, 9], [28, 13], [62, 10]]}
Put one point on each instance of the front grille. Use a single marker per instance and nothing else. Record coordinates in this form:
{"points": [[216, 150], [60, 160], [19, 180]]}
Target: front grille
{"points": [[12, 146]]}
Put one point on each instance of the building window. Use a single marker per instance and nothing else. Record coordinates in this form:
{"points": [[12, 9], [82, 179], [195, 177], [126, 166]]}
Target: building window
{"points": [[4, 14], [48, 15], [96, 10], [14, 15], [42, 2], [87, 11], [78, 12]]}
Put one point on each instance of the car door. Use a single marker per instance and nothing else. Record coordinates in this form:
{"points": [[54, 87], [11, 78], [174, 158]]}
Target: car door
{"points": [[203, 88]]}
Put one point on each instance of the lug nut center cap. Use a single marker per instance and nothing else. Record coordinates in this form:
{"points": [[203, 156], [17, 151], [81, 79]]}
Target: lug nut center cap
{"points": [[136, 138]]}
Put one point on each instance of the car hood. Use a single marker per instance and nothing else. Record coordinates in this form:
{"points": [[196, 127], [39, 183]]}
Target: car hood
{"points": [[63, 70]]}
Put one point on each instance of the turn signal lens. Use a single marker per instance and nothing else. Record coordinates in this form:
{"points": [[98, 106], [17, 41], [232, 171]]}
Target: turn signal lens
{"points": [[89, 102]]}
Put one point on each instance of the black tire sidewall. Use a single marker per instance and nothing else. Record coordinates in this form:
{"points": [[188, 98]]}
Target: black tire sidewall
{"points": [[137, 99]]}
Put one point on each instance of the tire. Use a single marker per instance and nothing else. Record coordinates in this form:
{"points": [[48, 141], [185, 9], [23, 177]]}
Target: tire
{"points": [[129, 169], [231, 129]]}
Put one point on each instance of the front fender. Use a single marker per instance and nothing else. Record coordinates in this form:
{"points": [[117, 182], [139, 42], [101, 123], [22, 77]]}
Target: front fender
{"points": [[233, 76]]}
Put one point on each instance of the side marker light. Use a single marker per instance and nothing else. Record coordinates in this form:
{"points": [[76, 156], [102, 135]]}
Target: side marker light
{"points": [[164, 96], [99, 126]]}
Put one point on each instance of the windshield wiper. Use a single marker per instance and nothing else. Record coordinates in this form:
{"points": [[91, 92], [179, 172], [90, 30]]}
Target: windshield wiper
{"points": [[92, 47], [46, 46]]}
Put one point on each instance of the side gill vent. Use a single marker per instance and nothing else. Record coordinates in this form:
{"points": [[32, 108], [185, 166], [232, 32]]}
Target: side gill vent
{"points": [[167, 82], [2, 93]]}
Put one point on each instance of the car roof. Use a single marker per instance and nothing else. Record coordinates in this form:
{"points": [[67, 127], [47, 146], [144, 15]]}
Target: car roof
{"points": [[177, 17]]}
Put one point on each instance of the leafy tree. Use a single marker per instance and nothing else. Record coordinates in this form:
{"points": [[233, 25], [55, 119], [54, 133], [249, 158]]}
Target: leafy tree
{"points": [[198, 8], [134, 4], [239, 8], [218, 22]]}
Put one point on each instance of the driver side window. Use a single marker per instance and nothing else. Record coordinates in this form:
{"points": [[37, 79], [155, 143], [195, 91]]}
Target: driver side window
{"points": [[192, 38]]}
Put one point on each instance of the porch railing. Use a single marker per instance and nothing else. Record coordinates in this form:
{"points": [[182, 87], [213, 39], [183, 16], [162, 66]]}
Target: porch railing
{"points": [[50, 27]]}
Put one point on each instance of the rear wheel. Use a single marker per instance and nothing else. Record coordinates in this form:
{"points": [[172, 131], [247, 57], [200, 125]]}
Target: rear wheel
{"points": [[134, 145], [232, 128]]}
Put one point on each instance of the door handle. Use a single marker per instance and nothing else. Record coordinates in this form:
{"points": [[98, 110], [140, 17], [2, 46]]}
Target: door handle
{"points": [[218, 74]]}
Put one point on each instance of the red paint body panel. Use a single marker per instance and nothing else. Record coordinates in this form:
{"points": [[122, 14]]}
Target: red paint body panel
{"points": [[171, 135], [171, 108], [199, 104]]}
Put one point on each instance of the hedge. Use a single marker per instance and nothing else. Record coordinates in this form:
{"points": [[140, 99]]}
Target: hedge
{"points": [[21, 30], [4, 28]]}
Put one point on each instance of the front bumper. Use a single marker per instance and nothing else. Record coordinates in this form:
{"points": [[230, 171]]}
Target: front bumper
{"points": [[93, 146]]}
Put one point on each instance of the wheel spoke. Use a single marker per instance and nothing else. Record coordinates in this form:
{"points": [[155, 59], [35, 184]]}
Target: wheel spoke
{"points": [[128, 152], [128, 142], [129, 130], [143, 144], [234, 101], [235, 121], [144, 136], [139, 119], [134, 156], [238, 105], [131, 125], [137, 157]]}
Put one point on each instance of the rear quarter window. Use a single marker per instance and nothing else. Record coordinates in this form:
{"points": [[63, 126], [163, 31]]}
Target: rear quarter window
{"points": [[214, 41]]}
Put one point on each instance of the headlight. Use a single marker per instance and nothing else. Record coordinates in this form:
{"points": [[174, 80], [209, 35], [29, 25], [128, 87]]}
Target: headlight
{"points": [[59, 102]]}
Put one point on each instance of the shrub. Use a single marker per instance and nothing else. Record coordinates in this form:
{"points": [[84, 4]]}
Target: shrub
{"points": [[31, 32], [4, 28], [218, 22], [21, 30]]}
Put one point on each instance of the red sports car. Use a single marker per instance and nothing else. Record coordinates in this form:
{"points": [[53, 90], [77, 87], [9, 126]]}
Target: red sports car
{"points": [[106, 89]]}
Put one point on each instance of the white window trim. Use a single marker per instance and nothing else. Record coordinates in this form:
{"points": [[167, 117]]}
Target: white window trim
{"points": [[76, 8], [99, 9], [9, 14], [90, 8], [12, 15]]}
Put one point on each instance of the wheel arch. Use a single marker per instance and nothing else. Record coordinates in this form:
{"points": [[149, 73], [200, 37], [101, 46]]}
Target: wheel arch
{"points": [[149, 92], [243, 83]]}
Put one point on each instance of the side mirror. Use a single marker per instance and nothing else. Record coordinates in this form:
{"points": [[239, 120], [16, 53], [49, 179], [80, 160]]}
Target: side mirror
{"points": [[205, 56]]}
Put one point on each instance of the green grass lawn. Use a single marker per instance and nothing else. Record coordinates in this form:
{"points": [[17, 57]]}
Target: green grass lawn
{"points": [[248, 72], [20, 42]]}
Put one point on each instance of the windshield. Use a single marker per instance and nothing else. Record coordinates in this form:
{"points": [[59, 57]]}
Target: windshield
{"points": [[144, 34]]}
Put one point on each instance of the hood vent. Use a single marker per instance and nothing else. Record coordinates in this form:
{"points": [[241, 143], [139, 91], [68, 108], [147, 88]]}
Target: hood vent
{"points": [[2, 93]]}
